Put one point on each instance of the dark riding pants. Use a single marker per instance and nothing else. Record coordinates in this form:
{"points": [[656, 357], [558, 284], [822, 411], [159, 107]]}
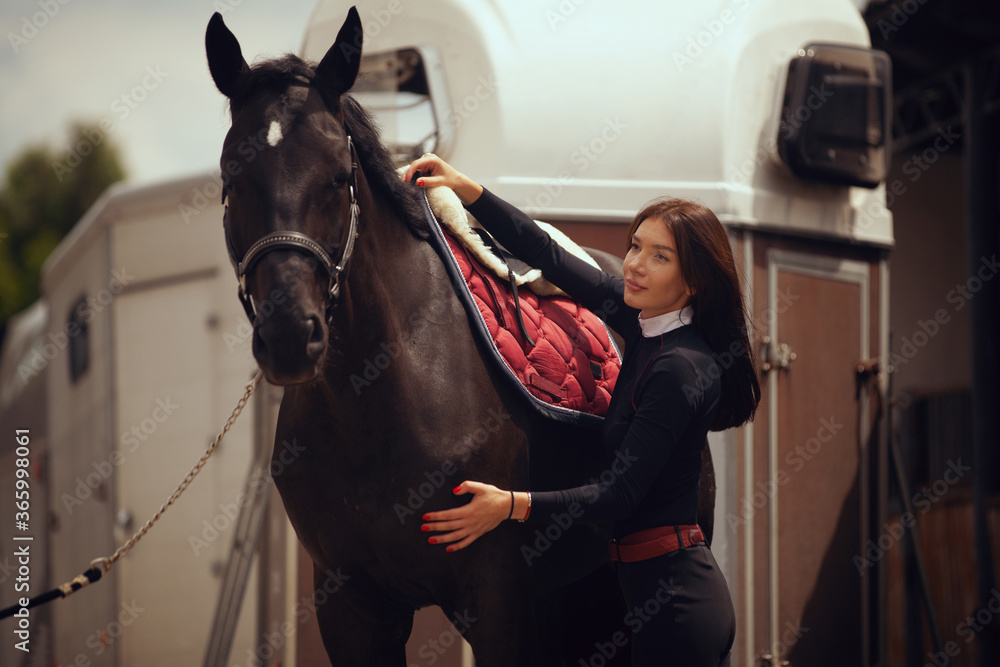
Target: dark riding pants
{"points": [[678, 609]]}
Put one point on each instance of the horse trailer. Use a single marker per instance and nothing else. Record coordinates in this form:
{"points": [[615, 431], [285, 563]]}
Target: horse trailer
{"points": [[773, 113]]}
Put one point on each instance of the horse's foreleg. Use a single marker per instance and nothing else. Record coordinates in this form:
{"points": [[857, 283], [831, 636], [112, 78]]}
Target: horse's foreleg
{"points": [[494, 608], [500, 626], [359, 624]]}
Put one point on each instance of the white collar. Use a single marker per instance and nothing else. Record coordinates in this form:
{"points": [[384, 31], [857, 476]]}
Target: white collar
{"points": [[661, 324]]}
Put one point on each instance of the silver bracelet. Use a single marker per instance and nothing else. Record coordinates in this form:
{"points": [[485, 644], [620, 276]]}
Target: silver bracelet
{"points": [[528, 513]]}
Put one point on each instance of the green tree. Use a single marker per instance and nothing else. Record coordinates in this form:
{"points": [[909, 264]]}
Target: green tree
{"points": [[44, 193]]}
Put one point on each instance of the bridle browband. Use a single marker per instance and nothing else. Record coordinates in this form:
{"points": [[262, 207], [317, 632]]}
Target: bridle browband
{"points": [[291, 240]]}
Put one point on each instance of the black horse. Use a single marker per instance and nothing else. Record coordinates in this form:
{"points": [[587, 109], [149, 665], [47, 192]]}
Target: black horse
{"points": [[385, 391]]}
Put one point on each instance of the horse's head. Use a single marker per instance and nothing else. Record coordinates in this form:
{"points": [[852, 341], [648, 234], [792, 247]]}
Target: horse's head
{"points": [[289, 181]]}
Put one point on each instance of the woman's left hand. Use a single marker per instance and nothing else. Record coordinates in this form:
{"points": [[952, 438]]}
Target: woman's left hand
{"points": [[488, 508]]}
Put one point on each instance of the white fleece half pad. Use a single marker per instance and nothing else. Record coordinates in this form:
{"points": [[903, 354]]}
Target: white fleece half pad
{"points": [[448, 209]]}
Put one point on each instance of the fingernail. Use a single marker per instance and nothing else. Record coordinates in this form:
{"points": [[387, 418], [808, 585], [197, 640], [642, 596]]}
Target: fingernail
{"points": [[420, 181], [431, 540], [427, 517], [457, 489], [425, 527], [450, 549]]}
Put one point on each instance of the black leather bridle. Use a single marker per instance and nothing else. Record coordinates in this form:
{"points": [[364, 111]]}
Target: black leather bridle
{"points": [[290, 240]]}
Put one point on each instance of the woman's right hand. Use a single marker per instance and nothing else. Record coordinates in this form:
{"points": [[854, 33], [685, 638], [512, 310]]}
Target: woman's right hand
{"points": [[436, 172]]}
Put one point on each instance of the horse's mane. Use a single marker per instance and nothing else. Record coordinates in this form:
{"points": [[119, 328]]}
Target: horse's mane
{"points": [[277, 74], [380, 169]]}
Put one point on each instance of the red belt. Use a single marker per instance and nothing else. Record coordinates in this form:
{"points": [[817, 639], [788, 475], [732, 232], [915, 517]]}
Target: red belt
{"points": [[653, 542]]}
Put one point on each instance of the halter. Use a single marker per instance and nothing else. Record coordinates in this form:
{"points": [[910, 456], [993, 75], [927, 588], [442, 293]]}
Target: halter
{"points": [[291, 240]]}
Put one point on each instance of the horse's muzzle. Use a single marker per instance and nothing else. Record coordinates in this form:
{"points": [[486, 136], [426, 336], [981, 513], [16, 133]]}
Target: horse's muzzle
{"points": [[289, 349]]}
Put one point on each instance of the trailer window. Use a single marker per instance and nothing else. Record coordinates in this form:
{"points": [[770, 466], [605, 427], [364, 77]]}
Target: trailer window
{"points": [[395, 87], [79, 339]]}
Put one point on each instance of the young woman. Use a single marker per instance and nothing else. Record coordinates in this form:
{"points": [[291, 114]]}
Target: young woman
{"points": [[688, 369]]}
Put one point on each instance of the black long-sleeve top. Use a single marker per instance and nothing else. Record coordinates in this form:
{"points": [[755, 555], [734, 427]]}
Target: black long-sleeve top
{"points": [[664, 398]]}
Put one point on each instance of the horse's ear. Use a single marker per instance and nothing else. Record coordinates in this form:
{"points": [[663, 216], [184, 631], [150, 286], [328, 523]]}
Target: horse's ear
{"points": [[339, 67], [225, 58]]}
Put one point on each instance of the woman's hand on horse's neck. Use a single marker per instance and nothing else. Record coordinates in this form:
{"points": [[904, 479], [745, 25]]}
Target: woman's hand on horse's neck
{"points": [[435, 172]]}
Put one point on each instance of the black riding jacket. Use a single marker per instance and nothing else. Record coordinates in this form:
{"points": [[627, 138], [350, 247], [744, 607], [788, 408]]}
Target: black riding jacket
{"points": [[663, 402]]}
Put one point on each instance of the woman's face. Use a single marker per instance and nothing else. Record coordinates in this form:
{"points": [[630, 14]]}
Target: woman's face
{"points": [[653, 280]]}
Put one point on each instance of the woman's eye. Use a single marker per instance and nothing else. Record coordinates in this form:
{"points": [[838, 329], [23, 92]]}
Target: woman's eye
{"points": [[661, 257]]}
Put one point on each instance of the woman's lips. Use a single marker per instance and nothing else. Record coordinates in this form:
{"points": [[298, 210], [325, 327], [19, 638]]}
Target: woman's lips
{"points": [[633, 286]]}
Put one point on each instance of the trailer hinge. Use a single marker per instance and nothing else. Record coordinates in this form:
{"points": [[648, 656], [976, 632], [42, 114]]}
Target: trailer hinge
{"points": [[768, 660], [778, 357]]}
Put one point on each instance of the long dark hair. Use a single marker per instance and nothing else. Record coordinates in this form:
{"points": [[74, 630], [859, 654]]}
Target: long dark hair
{"points": [[720, 315]]}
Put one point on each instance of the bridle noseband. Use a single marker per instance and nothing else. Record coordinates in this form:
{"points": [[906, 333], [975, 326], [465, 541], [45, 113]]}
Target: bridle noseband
{"points": [[291, 240]]}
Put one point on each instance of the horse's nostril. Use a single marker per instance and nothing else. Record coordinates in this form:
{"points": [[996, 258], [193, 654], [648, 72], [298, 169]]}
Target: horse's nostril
{"points": [[316, 330]]}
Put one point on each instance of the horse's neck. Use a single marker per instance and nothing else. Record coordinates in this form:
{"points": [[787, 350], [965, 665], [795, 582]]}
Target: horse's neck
{"points": [[389, 282]]}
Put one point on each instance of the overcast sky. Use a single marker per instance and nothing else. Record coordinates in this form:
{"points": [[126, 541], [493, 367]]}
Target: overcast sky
{"points": [[138, 65], [88, 54]]}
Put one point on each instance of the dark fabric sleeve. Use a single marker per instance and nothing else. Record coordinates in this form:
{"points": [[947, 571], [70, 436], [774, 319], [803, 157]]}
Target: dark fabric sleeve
{"points": [[663, 412], [599, 292]]}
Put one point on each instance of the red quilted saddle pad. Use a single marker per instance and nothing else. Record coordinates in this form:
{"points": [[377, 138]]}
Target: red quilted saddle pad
{"points": [[573, 363]]}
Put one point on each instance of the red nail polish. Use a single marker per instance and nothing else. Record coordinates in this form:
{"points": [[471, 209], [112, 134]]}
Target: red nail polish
{"points": [[425, 527], [457, 489], [420, 181], [427, 517], [450, 549], [431, 540]]}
